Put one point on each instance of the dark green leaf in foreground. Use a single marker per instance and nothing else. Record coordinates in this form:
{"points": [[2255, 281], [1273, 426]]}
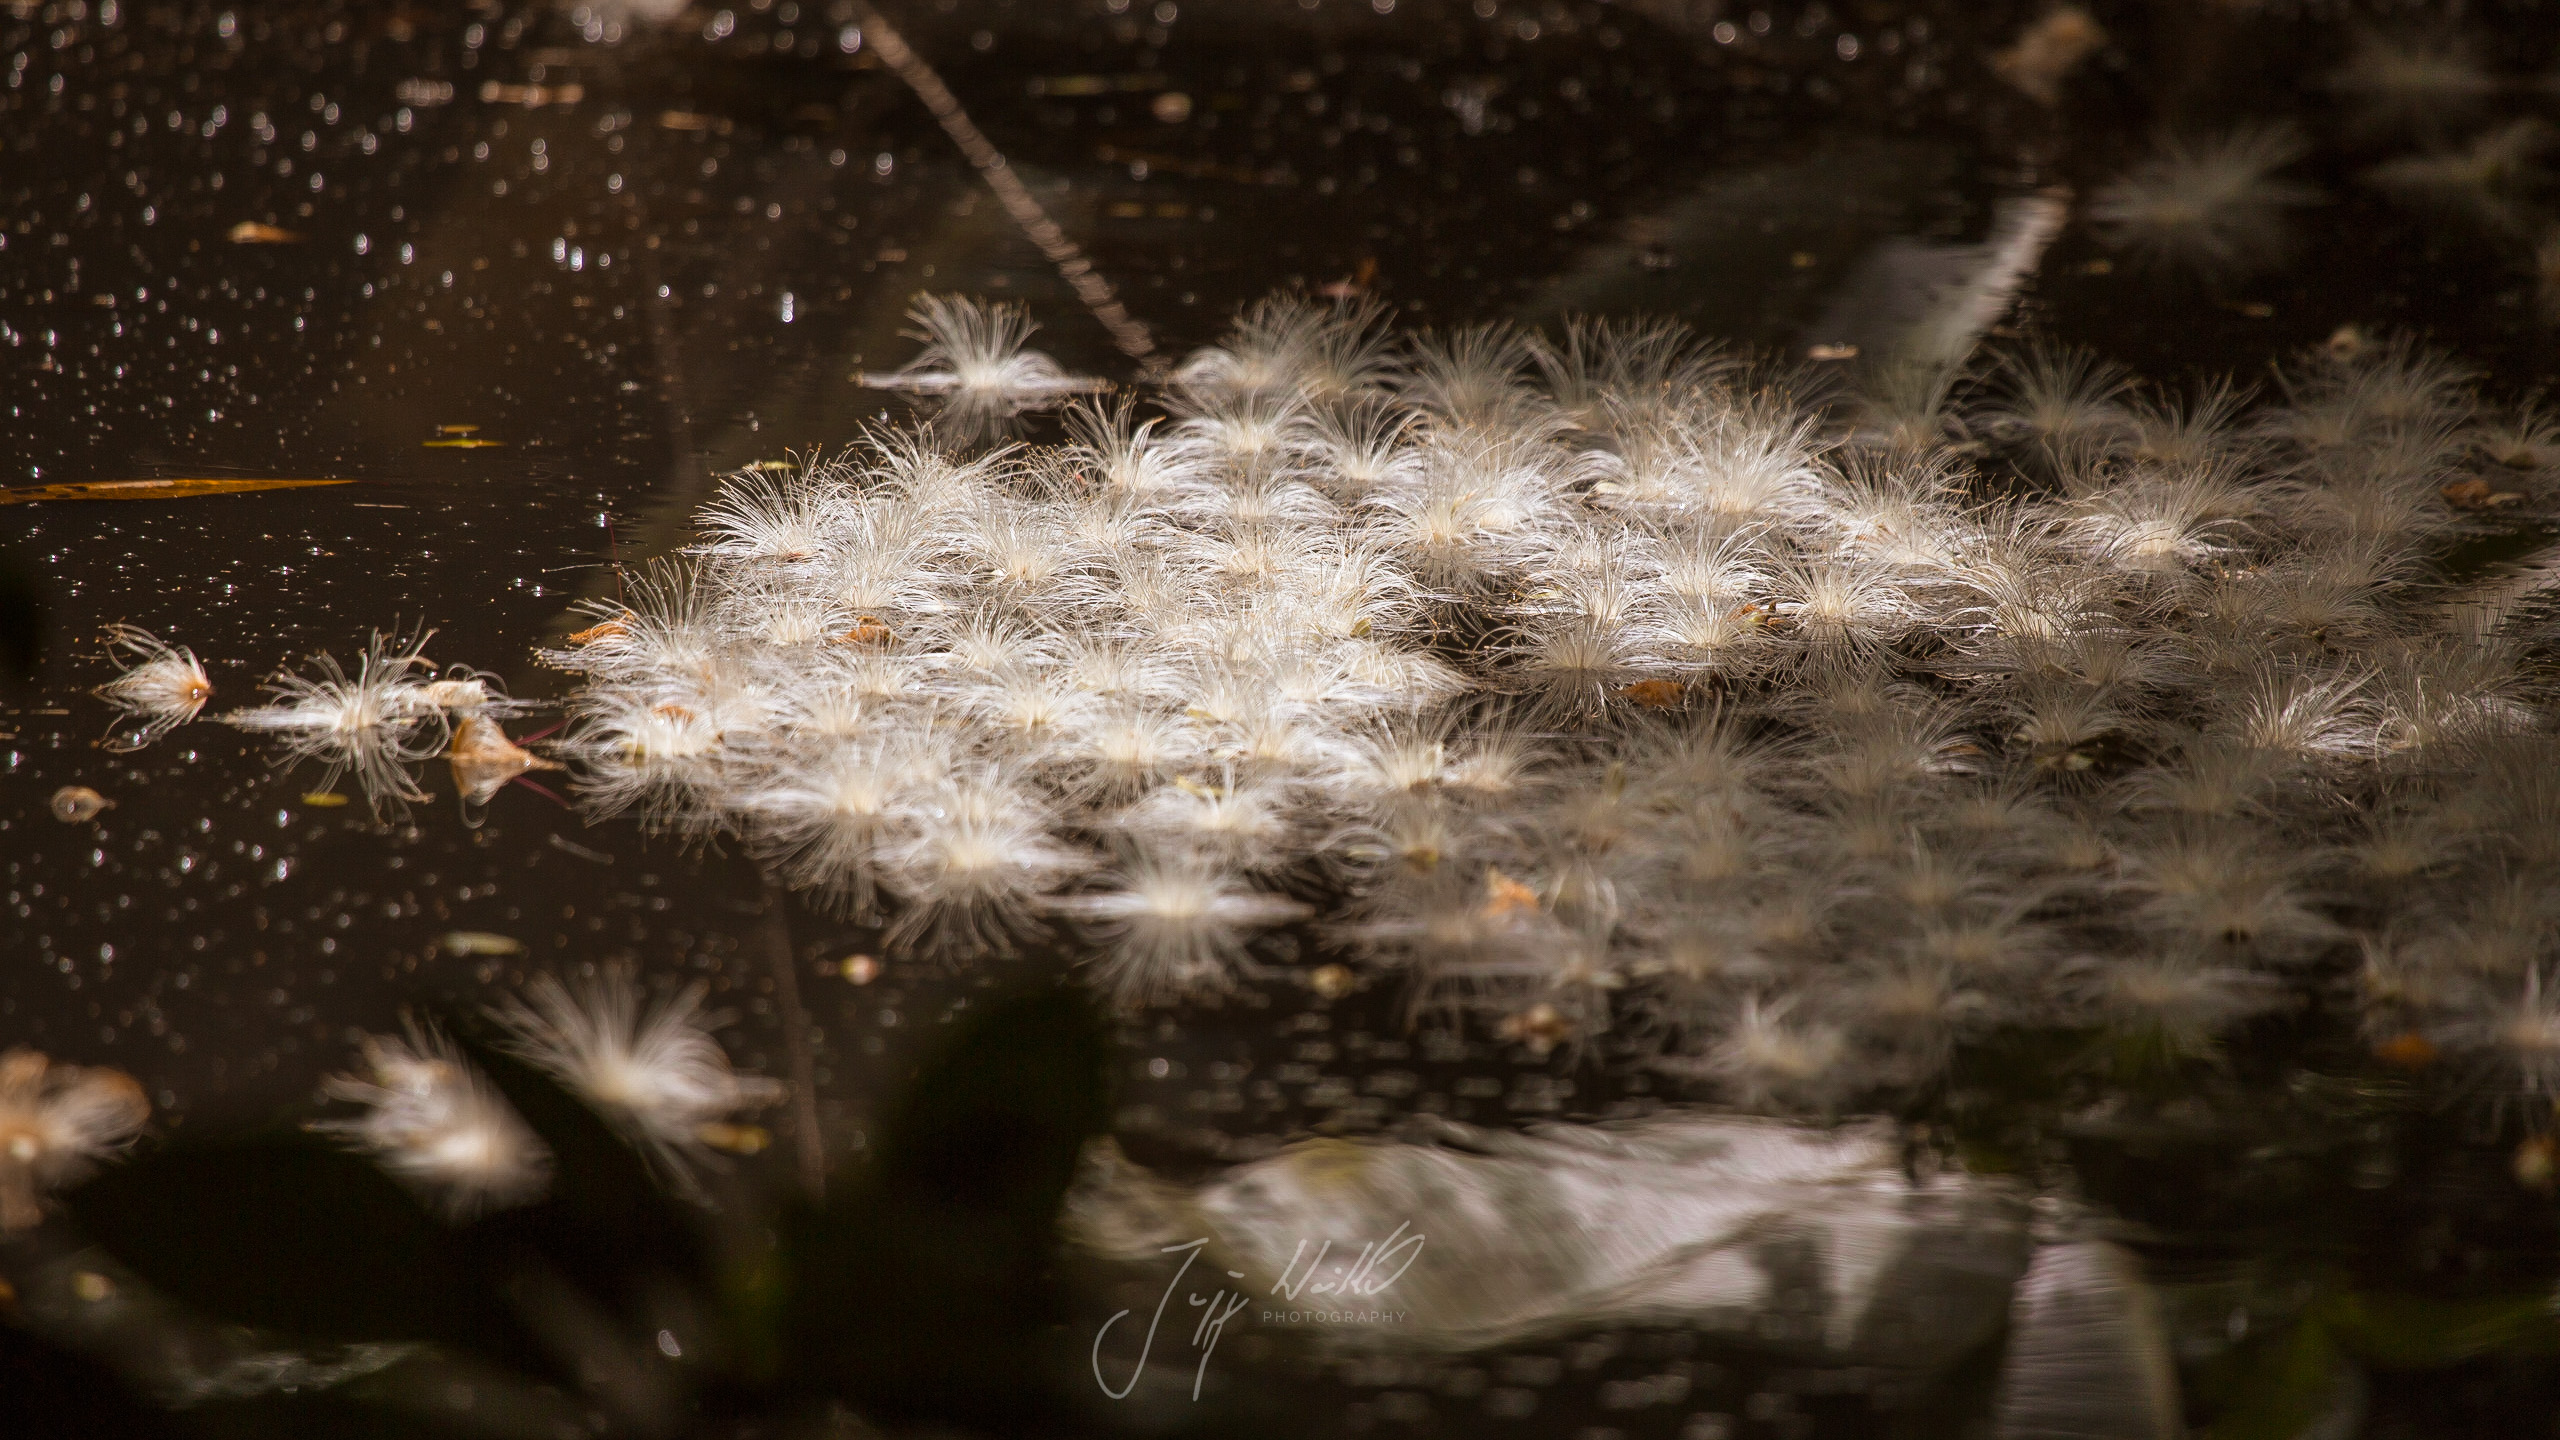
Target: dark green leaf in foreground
{"points": [[289, 1233], [923, 1289], [608, 1224]]}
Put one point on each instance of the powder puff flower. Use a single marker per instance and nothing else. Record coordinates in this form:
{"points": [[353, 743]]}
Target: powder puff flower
{"points": [[2174, 1005], [1464, 524], [762, 515], [2406, 82], [1573, 664], [1905, 404], [1605, 373], [1294, 344], [2191, 430], [2489, 182], [645, 751], [2212, 776], [670, 622], [977, 855], [654, 1070], [2056, 394], [438, 1124], [1247, 825], [1223, 434], [56, 1121], [162, 685], [1127, 748], [974, 355], [1354, 448], [371, 723], [2523, 1036], [1476, 373], [826, 819], [2303, 713], [1841, 610], [1173, 927], [2378, 390], [1898, 510], [1767, 1056], [1125, 457], [2223, 887], [2060, 722], [1758, 459], [2215, 207]]}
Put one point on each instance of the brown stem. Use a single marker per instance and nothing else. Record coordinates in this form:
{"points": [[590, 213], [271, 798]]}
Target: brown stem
{"points": [[773, 931]]}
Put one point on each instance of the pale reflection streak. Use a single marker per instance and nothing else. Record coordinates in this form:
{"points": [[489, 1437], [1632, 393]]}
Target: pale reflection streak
{"points": [[1127, 332]]}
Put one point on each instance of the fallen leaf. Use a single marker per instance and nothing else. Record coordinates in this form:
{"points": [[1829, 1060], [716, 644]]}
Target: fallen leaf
{"points": [[479, 943], [736, 1139], [2536, 1163], [323, 799], [1506, 896], [457, 429], [1655, 694], [1332, 982], [1539, 1027], [866, 631], [153, 489], [1832, 352], [2048, 50], [2474, 493], [74, 803], [494, 92], [2409, 1050], [618, 625], [464, 443], [483, 759], [250, 232]]}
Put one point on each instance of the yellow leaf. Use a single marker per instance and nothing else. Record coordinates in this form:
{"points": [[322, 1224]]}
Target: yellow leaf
{"points": [[463, 443], [250, 232], [153, 489], [324, 799]]}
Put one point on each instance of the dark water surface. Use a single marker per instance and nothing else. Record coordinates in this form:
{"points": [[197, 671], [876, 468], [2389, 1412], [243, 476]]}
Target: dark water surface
{"points": [[636, 256]]}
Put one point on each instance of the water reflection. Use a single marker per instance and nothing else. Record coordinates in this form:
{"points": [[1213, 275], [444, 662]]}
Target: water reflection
{"points": [[1816, 1241]]}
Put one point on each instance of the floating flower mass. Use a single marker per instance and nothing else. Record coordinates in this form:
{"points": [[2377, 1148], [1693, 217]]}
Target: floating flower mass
{"points": [[1656, 700], [1606, 687]]}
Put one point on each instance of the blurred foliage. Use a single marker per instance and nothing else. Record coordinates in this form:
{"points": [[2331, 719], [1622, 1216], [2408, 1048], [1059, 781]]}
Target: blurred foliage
{"points": [[918, 1293]]}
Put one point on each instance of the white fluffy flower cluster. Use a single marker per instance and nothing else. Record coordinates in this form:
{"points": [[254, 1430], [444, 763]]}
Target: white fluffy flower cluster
{"points": [[1607, 683]]}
